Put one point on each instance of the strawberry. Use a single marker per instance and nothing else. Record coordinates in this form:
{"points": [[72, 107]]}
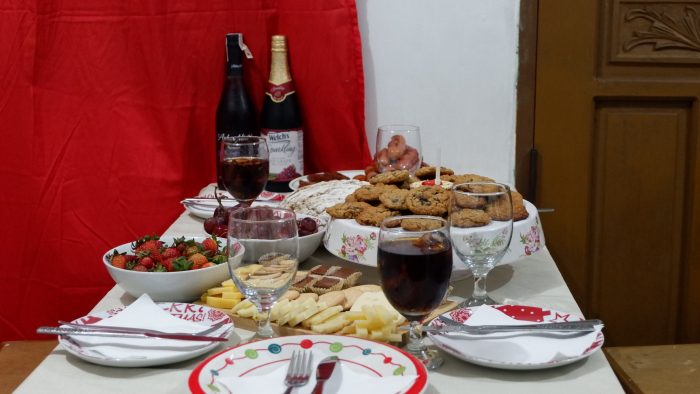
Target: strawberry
{"points": [[211, 244], [168, 264], [140, 268], [191, 250], [208, 264], [118, 260], [148, 246], [198, 260], [147, 262], [169, 253]]}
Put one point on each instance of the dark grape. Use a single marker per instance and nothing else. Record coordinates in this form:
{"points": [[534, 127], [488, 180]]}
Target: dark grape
{"points": [[307, 226]]}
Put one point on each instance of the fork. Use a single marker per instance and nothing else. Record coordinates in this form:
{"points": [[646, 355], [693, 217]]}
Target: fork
{"points": [[299, 370]]}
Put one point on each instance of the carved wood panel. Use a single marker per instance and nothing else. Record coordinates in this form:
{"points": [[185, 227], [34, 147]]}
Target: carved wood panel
{"points": [[655, 31]]}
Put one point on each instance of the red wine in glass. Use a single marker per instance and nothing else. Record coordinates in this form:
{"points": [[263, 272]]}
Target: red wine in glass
{"points": [[414, 278], [245, 177]]}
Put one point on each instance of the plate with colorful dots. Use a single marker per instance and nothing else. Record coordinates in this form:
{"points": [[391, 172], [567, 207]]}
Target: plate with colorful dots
{"points": [[262, 365], [516, 350]]}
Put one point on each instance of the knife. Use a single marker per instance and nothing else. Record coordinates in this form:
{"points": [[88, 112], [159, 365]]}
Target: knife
{"points": [[324, 370], [124, 334], [453, 326]]}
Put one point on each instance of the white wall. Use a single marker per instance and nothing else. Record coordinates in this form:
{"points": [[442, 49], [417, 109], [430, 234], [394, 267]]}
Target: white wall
{"points": [[450, 67]]}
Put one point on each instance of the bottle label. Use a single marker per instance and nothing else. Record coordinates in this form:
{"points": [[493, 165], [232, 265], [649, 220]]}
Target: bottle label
{"points": [[279, 92], [286, 153]]}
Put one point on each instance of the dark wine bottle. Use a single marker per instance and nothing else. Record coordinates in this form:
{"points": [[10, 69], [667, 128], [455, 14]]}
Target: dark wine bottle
{"points": [[281, 122], [235, 114]]}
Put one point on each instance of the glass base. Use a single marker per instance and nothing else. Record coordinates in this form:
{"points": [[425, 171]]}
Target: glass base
{"points": [[476, 301], [430, 358]]}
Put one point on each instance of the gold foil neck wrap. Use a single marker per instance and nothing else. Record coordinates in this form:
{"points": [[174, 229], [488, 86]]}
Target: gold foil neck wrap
{"points": [[279, 69], [279, 44]]}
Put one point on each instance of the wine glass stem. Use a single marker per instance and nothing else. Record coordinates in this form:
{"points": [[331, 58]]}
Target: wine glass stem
{"points": [[479, 287], [415, 338], [264, 327]]}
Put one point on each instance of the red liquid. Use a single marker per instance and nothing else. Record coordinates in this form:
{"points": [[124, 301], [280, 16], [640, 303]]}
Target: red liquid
{"points": [[414, 279], [245, 177]]}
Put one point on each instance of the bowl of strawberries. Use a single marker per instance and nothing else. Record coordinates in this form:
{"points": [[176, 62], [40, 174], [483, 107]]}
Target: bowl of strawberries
{"points": [[175, 269]]}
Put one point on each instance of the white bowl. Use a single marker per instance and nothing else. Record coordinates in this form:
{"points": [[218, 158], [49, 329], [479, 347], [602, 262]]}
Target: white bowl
{"points": [[179, 286], [354, 242], [307, 244]]}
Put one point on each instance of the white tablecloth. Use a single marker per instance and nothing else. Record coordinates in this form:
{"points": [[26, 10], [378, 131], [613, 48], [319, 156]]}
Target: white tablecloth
{"points": [[534, 280]]}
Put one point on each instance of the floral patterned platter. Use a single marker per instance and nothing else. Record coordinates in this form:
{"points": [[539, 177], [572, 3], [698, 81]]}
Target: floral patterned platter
{"points": [[354, 242], [199, 314], [266, 362], [516, 352]]}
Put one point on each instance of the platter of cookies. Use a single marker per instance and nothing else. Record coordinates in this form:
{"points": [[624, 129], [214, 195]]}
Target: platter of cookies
{"points": [[353, 230]]}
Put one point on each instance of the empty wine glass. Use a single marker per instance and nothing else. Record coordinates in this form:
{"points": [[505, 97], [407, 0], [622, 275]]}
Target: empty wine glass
{"points": [[415, 265], [398, 148], [269, 263], [245, 167], [481, 227]]}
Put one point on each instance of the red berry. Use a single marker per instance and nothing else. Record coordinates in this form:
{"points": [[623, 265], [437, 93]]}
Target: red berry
{"points": [[140, 268], [119, 261], [170, 252], [147, 262], [221, 230], [168, 264], [210, 245]]}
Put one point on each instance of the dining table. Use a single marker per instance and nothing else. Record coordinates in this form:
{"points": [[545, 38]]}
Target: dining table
{"points": [[531, 280]]}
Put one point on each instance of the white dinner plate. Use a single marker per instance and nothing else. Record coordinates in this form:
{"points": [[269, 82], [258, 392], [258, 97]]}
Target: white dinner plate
{"points": [[200, 314], [204, 206], [517, 352], [261, 363], [294, 183]]}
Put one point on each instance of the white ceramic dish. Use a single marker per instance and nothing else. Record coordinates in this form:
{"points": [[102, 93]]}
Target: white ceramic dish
{"points": [[204, 205], [518, 352], [294, 183], [268, 358], [181, 286], [354, 242], [201, 314]]}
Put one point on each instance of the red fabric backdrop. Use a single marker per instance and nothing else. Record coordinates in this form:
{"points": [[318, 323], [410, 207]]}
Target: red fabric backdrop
{"points": [[107, 118]]}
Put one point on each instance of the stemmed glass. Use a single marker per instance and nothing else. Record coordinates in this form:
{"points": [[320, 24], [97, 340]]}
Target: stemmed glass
{"points": [[481, 227], [245, 167], [269, 264], [398, 147], [415, 264]]}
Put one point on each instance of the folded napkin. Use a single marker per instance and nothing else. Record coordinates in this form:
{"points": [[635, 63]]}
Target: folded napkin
{"points": [[144, 313], [345, 380], [513, 347]]}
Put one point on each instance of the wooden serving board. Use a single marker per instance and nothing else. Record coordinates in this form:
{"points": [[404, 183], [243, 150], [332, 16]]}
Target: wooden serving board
{"points": [[251, 325]]}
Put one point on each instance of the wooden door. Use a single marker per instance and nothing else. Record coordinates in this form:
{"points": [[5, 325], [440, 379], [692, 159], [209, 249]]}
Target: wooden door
{"points": [[616, 89]]}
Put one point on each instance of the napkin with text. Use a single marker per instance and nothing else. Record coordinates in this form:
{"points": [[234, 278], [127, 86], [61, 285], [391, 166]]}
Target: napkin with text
{"points": [[513, 347], [144, 313]]}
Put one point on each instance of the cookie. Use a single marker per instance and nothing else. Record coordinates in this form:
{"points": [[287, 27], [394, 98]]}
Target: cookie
{"points": [[499, 209], [326, 284], [304, 296], [469, 201], [519, 210], [371, 193], [421, 224], [349, 276], [428, 200], [424, 173], [394, 199], [373, 216], [289, 295], [469, 218], [347, 210], [396, 176]]}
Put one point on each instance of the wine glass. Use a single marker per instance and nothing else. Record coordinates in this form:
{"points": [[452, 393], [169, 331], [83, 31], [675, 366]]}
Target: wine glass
{"points": [[245, 167], [398, 148], [269, 263], [481, 227], [415, 264]]}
